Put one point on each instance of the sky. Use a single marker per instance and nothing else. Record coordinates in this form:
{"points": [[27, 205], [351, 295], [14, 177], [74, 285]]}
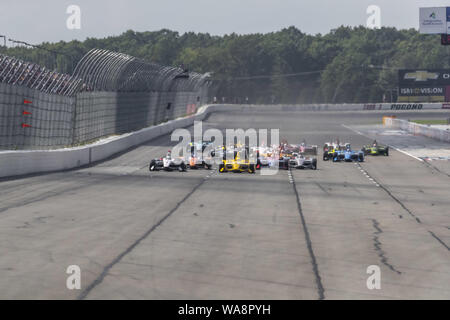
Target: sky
{"points": [[37, 21]]}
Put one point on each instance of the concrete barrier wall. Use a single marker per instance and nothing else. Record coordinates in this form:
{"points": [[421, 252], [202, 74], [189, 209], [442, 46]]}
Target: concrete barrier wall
{"points": [[335, 107], [13, 163], [419, 129]]}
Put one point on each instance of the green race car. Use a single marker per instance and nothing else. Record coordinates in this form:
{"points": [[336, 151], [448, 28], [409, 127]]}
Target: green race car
{"points": [[376, 149]]}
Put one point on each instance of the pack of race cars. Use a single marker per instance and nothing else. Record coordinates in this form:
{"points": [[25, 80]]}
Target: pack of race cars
{"points": [[240, 158]]}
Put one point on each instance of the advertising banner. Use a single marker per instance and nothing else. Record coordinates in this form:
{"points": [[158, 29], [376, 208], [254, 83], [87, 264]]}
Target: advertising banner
{"points": [[433, 20], [423, 78], [422, 91], [448, 20]]}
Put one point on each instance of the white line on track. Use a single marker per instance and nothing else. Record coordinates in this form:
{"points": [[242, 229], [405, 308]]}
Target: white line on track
{"points": [[408, 154], [364, 172], [390, 146]]}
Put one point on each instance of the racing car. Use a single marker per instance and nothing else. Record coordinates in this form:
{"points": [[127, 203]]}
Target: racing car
{"points": [[197, 162], [283, 162], [200, 146], [376, 149], [329, 149], [286, 153], [348, 155], [197, 158], [263, 156], [167, 163], [305, 158], [237, 161]]}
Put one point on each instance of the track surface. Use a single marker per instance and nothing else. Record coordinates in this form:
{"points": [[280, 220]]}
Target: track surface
{"points": [[204, 235]]}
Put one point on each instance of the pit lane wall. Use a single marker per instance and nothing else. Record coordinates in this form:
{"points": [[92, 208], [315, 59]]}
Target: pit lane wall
{"points": [[16, 163], [418, 129]]}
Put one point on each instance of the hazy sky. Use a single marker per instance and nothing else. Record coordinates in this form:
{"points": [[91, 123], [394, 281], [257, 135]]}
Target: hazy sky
{"points": [[36, 21]]}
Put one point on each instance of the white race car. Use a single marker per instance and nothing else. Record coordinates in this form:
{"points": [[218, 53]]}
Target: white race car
{"points": [[167, 164], [301, 161], [306, 157]]}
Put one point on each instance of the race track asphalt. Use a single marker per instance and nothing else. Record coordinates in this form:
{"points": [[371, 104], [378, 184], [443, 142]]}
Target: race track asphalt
{"points": [[299, 234]]}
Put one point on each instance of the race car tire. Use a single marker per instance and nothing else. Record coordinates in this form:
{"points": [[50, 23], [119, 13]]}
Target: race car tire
{"points": [[182, 167], [251, 169], [152, 166], [386, 152], [221, 168], [208, 166], [314, 164]]}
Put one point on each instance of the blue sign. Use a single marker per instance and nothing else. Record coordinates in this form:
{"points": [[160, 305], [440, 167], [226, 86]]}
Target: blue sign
{"points": [[448, 14]]}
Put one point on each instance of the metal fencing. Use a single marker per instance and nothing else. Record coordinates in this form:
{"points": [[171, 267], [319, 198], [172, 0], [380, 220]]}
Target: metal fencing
{"points": [[109, 93], [17, 72]]}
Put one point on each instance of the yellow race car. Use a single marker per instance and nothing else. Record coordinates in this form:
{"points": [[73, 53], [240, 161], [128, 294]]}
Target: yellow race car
{"points": [[237, 161]]}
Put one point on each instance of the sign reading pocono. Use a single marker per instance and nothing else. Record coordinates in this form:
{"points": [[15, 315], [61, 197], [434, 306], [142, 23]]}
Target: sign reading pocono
{"points": [[434, 20]]}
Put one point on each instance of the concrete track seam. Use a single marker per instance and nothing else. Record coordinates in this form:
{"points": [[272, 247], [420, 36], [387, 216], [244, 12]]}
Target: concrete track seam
{"points": [[320, 288], [438, 239], [393, 197], [116, 260], [377, 244], [431, 166], [409, 211]]}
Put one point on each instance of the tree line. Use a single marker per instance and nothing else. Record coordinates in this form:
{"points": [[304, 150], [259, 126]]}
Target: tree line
{"points": [[346, 65]]}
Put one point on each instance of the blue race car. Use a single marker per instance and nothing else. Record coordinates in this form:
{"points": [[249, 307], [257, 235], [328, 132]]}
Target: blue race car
{"points": [[348, 155]]}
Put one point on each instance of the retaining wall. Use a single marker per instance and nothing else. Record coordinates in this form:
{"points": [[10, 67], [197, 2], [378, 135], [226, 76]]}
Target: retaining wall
{"points": [[419, 129]]}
